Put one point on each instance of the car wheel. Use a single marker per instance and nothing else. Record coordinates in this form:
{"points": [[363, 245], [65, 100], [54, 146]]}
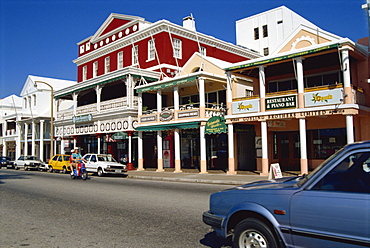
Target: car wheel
{"points": [[50, 169], [64, 171], [253, 233], [100, 172], [16, 167], [25, 168]]}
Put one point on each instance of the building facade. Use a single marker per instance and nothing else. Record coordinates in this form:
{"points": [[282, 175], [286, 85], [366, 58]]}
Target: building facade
{"points": [[27, 130], [126, 52], [309, 99]]}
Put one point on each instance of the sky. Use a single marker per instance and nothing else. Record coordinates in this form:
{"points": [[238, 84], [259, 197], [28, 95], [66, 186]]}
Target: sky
{"points": [[39, 37]]}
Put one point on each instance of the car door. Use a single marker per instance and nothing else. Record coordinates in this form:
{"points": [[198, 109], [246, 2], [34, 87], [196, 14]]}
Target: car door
{"points": [[93, 163], [53, 161], [20, 161], [335, 211], [87, 163]]}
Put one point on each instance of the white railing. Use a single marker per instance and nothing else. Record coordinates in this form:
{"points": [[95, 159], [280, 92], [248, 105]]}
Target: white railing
{"points": [[105, 107]]}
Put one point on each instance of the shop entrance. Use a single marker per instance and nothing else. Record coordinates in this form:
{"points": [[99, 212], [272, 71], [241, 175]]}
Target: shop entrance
{"points": [[287, 150]]}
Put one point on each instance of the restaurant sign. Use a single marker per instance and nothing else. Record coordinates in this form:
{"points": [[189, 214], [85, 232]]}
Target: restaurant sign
{"points": [[281, 102], [215, 125], [323, 97], [245, 106]]}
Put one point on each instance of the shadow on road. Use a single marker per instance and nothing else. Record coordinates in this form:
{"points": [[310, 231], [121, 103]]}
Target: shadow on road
{"points": [[10, 176], [212, 240]]}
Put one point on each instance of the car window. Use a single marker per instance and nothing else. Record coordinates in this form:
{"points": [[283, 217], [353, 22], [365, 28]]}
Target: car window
{"points": [[93, 158], [352, 174], [20, 158], [87, 157], [60, 158], [66, 157], [55, 158], [106, 158]]}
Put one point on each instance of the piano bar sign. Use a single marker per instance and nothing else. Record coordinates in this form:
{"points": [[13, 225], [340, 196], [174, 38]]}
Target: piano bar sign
{"points": [[281, 102]]}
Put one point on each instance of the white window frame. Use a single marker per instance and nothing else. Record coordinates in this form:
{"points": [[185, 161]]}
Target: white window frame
{"points": [[135, 55], [203, 51], [177, 48], [95, 69], [120, 60], [84, 73], [151, 49], [107, 64], [34, 99]]}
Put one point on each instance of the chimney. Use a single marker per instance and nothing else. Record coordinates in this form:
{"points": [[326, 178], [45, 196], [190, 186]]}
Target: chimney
{"points": [[189, 23]]}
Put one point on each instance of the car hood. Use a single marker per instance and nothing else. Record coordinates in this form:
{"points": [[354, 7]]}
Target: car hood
{"points": [[285, 182]]}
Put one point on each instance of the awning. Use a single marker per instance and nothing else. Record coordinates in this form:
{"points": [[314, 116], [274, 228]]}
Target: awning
{"points": [[166, 85], [216, 125], [163, 127]]}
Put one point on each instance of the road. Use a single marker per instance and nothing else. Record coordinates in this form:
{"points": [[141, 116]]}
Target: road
{"points": [[40, 209]]}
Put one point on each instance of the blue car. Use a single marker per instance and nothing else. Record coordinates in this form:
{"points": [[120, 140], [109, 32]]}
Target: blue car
{"points": [[330, 207]]}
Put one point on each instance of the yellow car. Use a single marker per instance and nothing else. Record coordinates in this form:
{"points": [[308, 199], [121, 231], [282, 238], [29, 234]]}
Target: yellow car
{"points": [[59, 162]]}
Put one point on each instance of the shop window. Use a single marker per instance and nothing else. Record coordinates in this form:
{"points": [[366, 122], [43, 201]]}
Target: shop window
{"points": [[275, 86], [325, 142]]}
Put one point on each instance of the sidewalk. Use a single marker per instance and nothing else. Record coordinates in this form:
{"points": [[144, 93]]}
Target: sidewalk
{"points": [[186, 177]]}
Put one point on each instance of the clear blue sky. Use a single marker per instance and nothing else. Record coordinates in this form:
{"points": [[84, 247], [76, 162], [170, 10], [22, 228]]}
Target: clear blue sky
{"points": [[38, 37]]}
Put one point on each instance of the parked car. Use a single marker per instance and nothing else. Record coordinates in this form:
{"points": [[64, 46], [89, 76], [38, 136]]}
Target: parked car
{"points": [[103, 164], [44, 166], [330, 207], [59, 162], [5, 162], [27, 162]]}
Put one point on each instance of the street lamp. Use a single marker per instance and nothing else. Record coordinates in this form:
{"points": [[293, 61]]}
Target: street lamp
{"points": [[51, 116]]}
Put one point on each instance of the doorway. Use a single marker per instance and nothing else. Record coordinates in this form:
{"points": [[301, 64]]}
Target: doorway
{"points": [[287, 150]]}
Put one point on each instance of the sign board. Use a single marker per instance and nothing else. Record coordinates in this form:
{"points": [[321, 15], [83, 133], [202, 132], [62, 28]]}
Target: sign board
{"points": [[82, 119], [281, 102], [275, 171], [245, 106], [323, 97], [119, 136], [188, 114], [215, 125]]}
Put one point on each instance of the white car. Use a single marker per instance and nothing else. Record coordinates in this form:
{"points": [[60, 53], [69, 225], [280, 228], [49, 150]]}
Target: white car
{"points": [[103, 164], [27, 162]]}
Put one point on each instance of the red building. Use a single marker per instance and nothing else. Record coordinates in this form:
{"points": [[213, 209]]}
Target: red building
{"points": [[127, 51]]}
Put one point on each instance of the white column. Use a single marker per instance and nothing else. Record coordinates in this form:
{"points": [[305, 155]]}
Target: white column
{"points": [[303, 145], [300, 82], [202, 95], [62, 146], [230, 133], [98, 90], [25, 147], [349, 129], [203, 151], [140, 104], [177, 151], [42, 140], [140, 151], [74, 96], [229, 96], [99, 141], [159, 101], [159, 151], [265, 162], [33, 138], [18, 141], [5, 127], [176, 98], [262, 82]]}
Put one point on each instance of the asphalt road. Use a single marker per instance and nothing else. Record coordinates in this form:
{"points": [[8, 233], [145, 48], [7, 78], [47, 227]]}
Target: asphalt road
{"points": [[40, 209]]}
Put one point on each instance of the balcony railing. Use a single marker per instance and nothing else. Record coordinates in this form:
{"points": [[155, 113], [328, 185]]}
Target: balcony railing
{"points": [[112, 105]]}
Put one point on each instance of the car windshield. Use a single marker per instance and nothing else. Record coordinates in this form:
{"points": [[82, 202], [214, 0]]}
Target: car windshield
{"points": [[305, 177], [30, 158], [4, 158], [106, 158]]}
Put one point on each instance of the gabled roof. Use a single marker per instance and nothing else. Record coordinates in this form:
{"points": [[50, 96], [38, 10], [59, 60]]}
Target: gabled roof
{"points": [[206, 63], [57, 84], [304, 36], [114, 23]]}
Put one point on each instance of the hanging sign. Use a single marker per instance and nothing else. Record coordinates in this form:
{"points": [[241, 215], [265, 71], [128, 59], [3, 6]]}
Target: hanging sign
{"points": [[119, 136], [82, 119], [215, 125]]}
